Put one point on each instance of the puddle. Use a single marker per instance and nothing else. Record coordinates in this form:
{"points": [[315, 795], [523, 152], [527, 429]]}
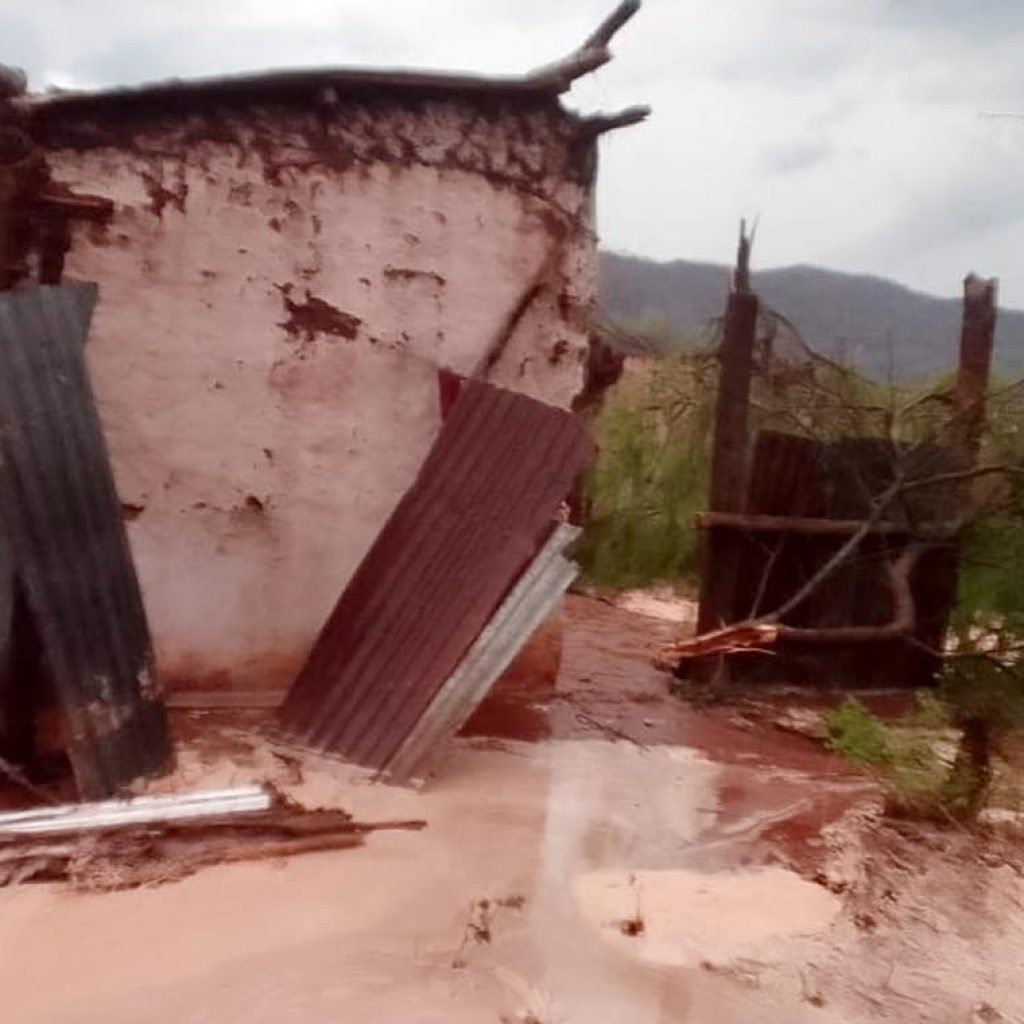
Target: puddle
{"points": [[686, 918], [656, 605]]}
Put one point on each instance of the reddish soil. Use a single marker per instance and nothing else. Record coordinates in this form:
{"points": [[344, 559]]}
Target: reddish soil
{"points": [[607, 685]]}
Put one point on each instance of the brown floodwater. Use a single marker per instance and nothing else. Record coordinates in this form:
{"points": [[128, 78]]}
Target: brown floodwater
{"points": [[579, 877]]}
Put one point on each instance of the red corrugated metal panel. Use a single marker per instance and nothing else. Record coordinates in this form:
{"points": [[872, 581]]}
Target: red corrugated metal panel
{"points": [[449, 384], [481, 505]]}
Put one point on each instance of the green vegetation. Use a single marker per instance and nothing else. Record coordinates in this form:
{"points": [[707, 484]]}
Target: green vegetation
{"points": [[857, 734], [920, 760], [650, 477], [654, 438], [911, 757]]}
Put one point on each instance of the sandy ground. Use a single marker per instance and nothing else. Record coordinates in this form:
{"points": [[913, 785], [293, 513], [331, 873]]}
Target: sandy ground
{"points": [[709, 869]]}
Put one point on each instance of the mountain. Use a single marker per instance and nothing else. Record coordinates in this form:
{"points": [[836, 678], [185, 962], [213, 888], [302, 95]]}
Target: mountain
{"points": [[885, 330]]}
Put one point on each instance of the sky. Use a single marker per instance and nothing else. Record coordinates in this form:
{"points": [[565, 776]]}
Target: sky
{"points": [[855, 131]]}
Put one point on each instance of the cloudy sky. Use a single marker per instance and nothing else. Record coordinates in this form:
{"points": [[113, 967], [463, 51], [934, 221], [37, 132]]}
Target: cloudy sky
{"points": [[853, 129]]}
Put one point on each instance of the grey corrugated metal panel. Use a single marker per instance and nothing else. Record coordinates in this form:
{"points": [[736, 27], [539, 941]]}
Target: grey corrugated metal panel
{"points": [[462, 534], [519, 614], [527, 605], [61, 510], [140, 810]]}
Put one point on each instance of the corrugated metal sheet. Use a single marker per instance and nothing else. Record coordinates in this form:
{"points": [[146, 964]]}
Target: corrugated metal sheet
{"points": [[15, 718], [473, 520], [528, 604], [139, 810], [60, 509]]}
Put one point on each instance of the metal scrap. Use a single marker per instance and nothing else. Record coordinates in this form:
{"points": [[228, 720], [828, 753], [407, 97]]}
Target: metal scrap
{"points": [[62, 520], [529, 602], [123, 844], [475, 518]]}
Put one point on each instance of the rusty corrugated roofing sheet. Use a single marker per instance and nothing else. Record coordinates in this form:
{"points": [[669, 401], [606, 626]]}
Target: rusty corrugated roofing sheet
{"points": [[527, 605], [61, 511], [476, 515]]}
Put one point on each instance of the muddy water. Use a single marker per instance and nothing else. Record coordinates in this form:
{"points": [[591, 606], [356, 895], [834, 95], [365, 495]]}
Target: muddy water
{"points": [[394, 931], [580, 879]]}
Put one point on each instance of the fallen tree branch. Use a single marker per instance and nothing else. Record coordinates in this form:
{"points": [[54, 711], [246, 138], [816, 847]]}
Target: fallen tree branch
{"points": [[762, 584], [766, 631]]}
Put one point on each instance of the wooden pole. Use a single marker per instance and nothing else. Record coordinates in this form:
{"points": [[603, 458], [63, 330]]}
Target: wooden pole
{"points": [[728, 485], [977, 335]]}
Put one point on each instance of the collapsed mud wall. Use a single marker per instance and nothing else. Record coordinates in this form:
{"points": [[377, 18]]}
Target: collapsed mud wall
{"points": [[279, 286]]}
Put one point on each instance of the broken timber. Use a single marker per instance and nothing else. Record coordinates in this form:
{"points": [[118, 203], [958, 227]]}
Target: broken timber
{"points": [[94, 850]]}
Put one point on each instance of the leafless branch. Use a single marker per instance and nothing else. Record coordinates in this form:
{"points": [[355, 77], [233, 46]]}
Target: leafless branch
{"points": [[1003, 469], [762, 585], [767, 630], [594, 52], [597, 124], [881, 506]]}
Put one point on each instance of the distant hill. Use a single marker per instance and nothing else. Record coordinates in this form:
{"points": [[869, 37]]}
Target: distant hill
{"points": [[869, 322]]}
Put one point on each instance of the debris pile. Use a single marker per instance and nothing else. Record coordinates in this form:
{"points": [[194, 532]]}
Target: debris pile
{"points": [[126, 843]]}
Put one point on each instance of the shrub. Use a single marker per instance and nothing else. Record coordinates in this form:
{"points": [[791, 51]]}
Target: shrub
{"points": [[857, 734]]}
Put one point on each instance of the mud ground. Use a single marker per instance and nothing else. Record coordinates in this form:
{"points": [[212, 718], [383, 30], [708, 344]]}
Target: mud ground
{"points": [[617, 855]]}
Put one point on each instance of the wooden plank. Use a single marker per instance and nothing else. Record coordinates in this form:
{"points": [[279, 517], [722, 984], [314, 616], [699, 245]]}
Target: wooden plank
{"points": [[753, 523]]}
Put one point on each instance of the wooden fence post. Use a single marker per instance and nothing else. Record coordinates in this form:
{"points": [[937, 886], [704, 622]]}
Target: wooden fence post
{"points": [[719, 559], [977, 336]]}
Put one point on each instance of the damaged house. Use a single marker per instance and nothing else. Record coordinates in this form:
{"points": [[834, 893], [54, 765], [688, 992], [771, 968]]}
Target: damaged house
{"points": [[296, 273]]}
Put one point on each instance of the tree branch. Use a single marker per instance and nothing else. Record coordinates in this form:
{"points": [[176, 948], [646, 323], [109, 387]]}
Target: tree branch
{"points": [[962, 474], [844, 551], [766, 631], [594, 52], [598, 124]]}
